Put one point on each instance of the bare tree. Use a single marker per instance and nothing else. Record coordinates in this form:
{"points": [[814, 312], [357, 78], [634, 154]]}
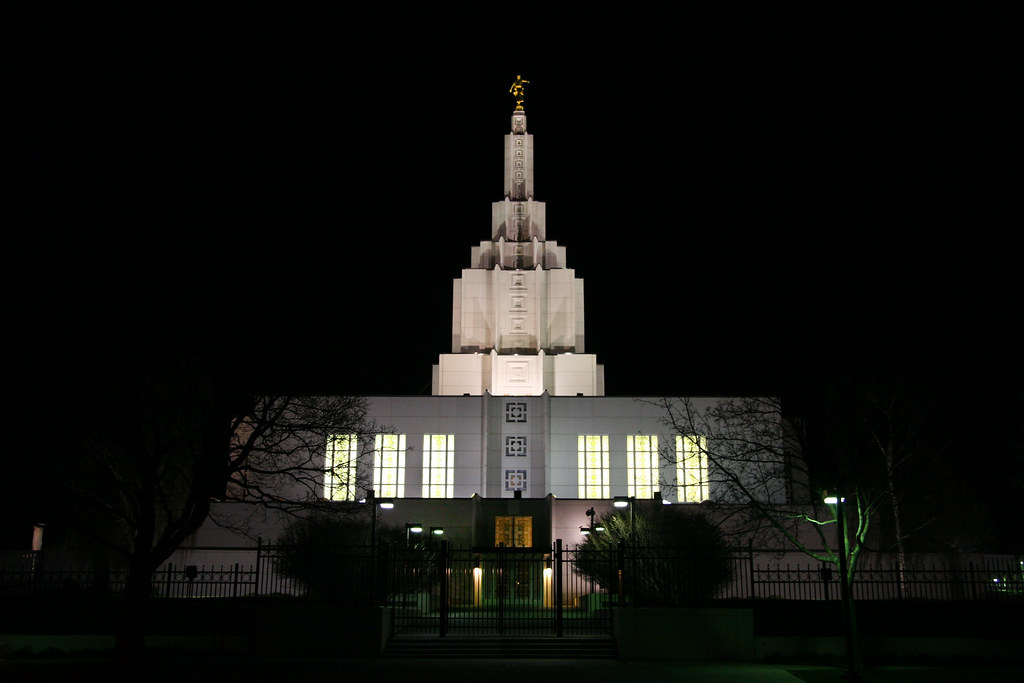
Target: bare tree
{"points": [[880, 427], [760, 480], [152, 451], [286, 453]]}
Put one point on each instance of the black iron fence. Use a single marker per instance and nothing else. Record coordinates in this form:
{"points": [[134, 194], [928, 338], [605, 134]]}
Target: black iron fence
{"points": [[515, 581], [496, 591]]}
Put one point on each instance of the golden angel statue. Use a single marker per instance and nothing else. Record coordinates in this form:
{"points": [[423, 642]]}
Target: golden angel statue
{"points": [[518, 91]]}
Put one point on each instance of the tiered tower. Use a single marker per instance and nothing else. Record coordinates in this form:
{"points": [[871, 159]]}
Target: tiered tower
{"points": [[517, 311]]}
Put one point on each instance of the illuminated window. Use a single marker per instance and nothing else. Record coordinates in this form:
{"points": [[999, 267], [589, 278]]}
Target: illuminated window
{"points": [[692, 468], [592, 461], [438, 465], [389, 465], [641, 466], [340, 470]]}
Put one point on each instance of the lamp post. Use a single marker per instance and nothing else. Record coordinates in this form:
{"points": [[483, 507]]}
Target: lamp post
{"points": [[593, 526], [414, 528], [371, 499], [627, 502], [384, 504], [852, 651]]}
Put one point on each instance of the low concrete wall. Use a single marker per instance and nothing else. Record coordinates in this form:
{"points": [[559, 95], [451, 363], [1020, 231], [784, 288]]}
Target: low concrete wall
{"points": [[685, 633], [733, 634], [271, 627], [896, 649]]}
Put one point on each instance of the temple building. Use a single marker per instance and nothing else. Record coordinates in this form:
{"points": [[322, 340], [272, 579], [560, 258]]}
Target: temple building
{"points": [[518, 440]]}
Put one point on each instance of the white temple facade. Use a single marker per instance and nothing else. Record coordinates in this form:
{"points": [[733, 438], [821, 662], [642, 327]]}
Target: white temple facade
{"points": [[518, 424]]}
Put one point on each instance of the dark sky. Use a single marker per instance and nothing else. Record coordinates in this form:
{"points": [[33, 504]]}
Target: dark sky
{"points": [[741, 199], [757, 197]]}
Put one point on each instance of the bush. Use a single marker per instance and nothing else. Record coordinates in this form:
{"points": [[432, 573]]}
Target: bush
{"points": [[671, 556]]}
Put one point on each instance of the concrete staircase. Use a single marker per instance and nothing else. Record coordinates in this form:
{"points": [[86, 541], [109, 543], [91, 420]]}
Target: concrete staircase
{"points": [[497, 647]]}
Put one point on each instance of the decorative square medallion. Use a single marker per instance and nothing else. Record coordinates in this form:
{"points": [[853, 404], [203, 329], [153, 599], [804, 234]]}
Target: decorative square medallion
{"points": [[515, 446], [515, 480], [515, 412]]}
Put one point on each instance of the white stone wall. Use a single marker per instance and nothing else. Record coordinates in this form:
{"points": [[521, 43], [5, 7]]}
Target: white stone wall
{"points": [[518, 375], [519, 163], [551, 427]]}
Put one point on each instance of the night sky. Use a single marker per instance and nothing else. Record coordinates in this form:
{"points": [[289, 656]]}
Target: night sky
{"points": [[759, 201]]}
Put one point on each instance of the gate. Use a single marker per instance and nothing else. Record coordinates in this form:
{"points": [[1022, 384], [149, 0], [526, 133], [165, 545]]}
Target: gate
{"points": [[498, 591]]}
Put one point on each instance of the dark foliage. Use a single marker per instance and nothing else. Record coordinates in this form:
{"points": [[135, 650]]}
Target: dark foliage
{"points": [[671, 556], [334, 558]]}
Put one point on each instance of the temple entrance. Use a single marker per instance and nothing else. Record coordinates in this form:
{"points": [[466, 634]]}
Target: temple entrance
{"points": [[495, 591]]}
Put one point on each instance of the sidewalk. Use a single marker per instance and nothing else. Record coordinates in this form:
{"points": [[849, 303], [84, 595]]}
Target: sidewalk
{"points": [[253, 670]]}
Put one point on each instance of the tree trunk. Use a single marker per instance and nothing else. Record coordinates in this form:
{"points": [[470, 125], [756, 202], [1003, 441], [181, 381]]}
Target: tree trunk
{"points": [[901, 555], [134, 619]]}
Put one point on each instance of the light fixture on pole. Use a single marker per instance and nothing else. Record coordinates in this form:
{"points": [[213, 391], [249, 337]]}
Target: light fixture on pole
{"points": [[852, 653], [374, 503], [627, 502], [413, 528]]}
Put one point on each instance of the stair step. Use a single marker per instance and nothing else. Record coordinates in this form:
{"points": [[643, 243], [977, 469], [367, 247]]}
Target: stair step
{"points": [[512, 648]]}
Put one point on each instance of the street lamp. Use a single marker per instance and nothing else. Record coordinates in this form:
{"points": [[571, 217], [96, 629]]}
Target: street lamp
{"points": [[852, 654], [594, 526], [414, 528], [627, 502], [384, 504]]}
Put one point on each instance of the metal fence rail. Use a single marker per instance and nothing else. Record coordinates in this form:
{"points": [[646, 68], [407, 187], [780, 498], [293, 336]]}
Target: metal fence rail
{"points": [[493, 591], [517, 586], [200, 581], [989, 580]]}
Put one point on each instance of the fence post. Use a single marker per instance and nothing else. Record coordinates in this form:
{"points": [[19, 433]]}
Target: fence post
{"points": [[502, 587], [259, 560], [442, 577], [386, 580], [557, 568], [622, 574], [750, 567]]}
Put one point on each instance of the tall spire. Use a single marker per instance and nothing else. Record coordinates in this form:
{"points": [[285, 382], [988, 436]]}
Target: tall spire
{"points": [[517, 311]]}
